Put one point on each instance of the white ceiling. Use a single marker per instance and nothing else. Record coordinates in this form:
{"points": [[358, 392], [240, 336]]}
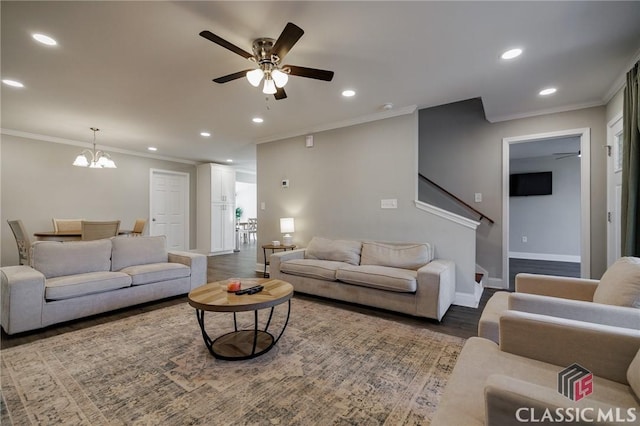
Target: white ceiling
{"points": [[141, 73]]}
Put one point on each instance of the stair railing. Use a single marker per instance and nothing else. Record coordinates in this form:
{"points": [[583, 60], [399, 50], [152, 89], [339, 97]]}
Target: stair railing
{"points": [[482, 215]]}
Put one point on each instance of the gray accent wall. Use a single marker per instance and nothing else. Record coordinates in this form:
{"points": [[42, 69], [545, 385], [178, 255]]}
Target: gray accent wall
{"points": [[461, 151], [38, 183]]}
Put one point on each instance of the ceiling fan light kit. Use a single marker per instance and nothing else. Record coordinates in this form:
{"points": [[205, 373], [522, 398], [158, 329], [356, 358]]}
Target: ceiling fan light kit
{"points": [[268, 54]]}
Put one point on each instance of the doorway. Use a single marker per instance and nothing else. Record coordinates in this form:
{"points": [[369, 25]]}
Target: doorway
{"points": [[614, 189], [169, 207], [558, 148]]}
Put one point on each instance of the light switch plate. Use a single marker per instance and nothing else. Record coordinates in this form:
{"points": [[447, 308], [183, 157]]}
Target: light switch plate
{"points": [[391, 203], [478, 197]]}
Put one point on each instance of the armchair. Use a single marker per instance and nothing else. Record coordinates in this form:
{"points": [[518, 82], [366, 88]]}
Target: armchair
{"points": [[517, 381], [613, 300]]}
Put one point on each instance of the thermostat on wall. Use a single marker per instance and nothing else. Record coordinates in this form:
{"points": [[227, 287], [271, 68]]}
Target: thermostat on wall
{"points": [[285, 183]]}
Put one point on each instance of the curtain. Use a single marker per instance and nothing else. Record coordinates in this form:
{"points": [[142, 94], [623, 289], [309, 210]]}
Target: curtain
{"points": [[630, 211]]}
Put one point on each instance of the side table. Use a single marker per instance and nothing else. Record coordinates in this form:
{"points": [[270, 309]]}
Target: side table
{"points": [[273, 249]]}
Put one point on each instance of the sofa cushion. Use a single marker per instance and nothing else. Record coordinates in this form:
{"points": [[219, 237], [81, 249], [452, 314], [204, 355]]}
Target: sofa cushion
{"points": [[380, 277], [337, 250], [405, 256], [82, 284], [57, 259], [128, 251], [620, 284], [156, 272], [313, 268]]}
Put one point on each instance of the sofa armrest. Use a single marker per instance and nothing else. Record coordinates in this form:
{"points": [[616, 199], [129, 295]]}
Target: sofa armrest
{"points": [[22, 293], [282, 256], [436, 288], [604, 350], [196, 261], [510, 401], [618, 316], [551, 285]]}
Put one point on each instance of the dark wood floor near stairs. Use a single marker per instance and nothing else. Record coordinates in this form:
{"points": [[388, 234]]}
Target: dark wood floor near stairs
{"points": [[562, 269], [459, 321]]}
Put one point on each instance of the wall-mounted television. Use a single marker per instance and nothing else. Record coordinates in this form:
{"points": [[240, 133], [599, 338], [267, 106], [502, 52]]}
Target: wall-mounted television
{"points": [[526, 184]]}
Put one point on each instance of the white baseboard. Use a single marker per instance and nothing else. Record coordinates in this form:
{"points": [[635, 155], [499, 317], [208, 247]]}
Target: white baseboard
{"points": [[469, 300], [545, 256], [496, 283]]}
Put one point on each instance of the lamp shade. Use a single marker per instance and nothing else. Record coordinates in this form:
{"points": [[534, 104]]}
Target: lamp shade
{"points": [[279, 77], [286, 225], [269, 87], [255, 76]]}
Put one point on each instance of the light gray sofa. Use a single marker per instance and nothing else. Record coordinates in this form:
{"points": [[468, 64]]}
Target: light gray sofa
{"points": [[517, 381], [69, 280], [400, 277]]}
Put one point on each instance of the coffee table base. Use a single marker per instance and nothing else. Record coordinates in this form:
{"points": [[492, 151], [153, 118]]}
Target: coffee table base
{"points": [[242, 344]]}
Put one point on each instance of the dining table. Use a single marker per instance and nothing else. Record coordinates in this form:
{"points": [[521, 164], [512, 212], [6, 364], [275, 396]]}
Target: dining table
{"points": [[68, 235]]}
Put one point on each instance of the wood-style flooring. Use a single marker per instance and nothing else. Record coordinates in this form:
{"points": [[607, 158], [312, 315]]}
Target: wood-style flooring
{"points": [[562, 269], [459, 321]]}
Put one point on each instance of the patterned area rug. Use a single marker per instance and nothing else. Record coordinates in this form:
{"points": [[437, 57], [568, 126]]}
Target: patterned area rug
{"points": [[331, 367]]}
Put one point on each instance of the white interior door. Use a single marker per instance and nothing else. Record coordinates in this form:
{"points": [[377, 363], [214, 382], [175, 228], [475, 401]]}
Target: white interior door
{"points": [[169, 204], [614, 189]]}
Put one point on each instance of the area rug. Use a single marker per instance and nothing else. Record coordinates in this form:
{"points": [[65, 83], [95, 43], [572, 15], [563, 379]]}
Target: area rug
{"points": [[333, 366]]}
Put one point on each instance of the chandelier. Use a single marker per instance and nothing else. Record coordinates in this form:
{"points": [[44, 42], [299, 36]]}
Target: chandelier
{"points": [[269, 67], [94, 159]]}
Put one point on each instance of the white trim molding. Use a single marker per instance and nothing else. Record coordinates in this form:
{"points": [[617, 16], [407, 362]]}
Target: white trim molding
{"points": [[460, 220], [585, 193], [545, 256]]}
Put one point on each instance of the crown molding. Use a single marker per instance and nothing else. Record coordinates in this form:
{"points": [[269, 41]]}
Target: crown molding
{"points": [[621, 81], [340, 124], [564, 108], [54, 139]]}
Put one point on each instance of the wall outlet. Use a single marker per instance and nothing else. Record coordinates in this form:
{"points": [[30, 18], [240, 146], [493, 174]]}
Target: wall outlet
{"points": [[524, 239], [263, 206], [478, 197]]}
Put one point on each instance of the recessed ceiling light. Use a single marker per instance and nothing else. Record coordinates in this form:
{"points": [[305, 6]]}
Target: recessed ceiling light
{"points": [[12, 83], [45, 39], [229, 160], [257, 120], [548, 91], [512, 53], [152, 148], [348, 93], [205, 134]]}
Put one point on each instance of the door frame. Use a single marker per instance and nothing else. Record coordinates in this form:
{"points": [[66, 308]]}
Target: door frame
{"points": [[585, 195], [186, 176], [610, 197]]}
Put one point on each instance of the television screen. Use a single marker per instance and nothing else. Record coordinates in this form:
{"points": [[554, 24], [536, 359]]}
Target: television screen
{"points": [[525, 184]]}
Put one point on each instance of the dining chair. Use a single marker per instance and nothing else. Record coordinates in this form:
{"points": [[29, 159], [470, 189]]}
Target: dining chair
{"points": [[62, 225], [22, 240], [252, 228], [138, 227], [97, 230]]}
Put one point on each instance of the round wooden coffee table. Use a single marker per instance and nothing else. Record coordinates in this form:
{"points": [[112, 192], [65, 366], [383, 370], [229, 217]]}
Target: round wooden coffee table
{"points": [[241, 344]]}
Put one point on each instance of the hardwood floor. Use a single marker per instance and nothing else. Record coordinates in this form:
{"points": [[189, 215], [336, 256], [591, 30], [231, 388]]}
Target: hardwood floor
{"points": [[459, 321], [563, 269]]}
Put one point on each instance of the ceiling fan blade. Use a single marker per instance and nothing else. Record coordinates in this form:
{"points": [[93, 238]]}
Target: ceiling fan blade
{"points": [[309, 72], [280, 93], [224, 43], [289, 36], [230, 77]]}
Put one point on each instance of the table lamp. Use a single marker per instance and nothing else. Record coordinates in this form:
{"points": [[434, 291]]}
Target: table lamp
{"points": [[286, 226]]}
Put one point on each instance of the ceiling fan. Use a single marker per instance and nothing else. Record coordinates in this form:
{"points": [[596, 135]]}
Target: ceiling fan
{"points": [[268, 54], [567, 154]]}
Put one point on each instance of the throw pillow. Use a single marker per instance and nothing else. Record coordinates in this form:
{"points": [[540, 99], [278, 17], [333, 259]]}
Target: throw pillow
{"points": [[336, 250], [620, 284], [396, 255]]}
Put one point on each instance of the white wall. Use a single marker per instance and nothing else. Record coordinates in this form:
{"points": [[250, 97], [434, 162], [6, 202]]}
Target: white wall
{"points": [[335, 189], [551, 223], [246, 195], [39, 183]]}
